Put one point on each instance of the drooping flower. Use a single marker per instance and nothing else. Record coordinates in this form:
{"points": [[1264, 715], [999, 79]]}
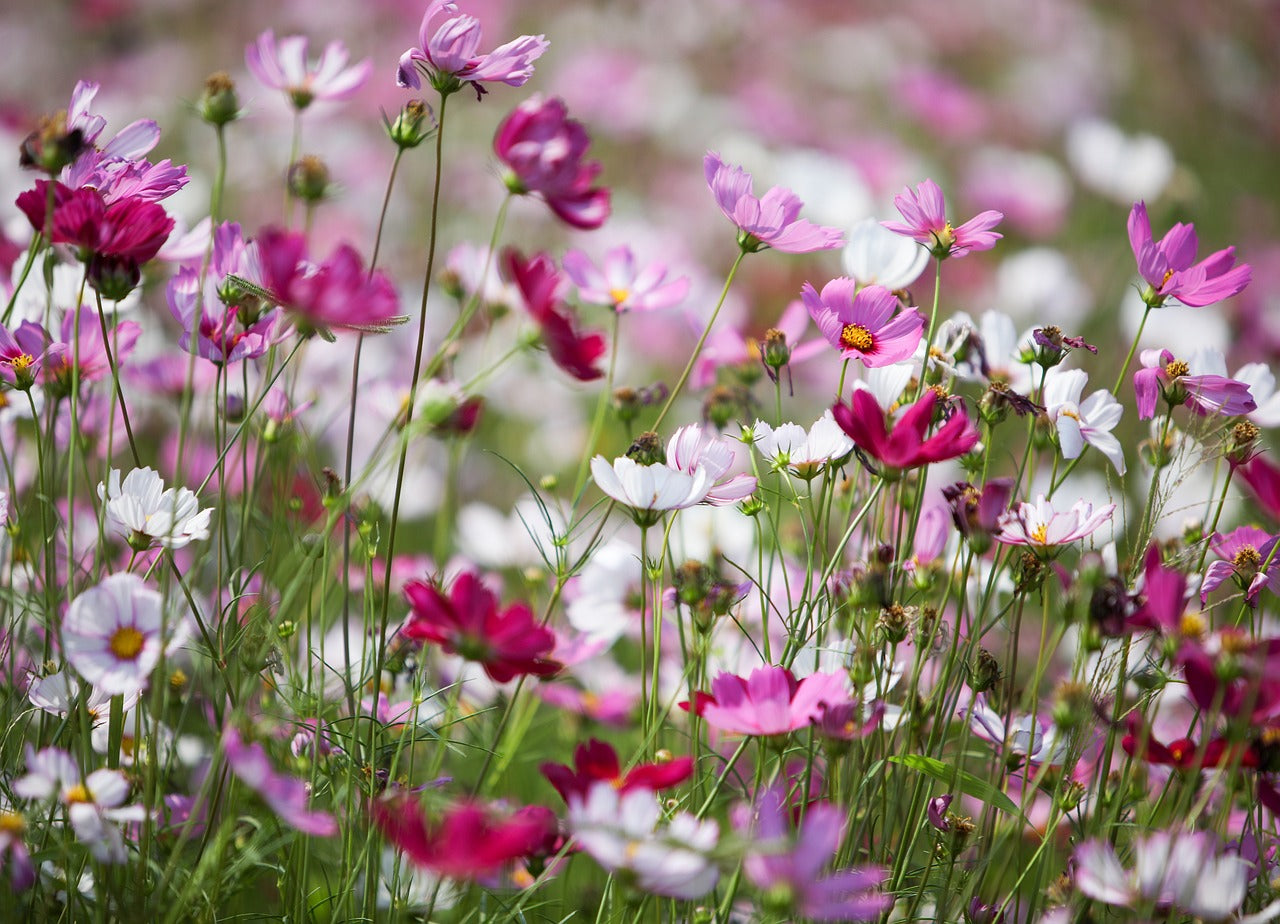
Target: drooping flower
{"points": [[147, 514], [113, 634], [804, 454], [1184, 383], [1078, 423], [905, 445], [286, 795], [447, 54], [622, 831], [543, 288], [1248, 555], [597, 762], [772, 220], [543, 150], [787, 865], [1163, 598], [283, 65], [468, 622], [771, 701], [925, 220], [1168, 265], [976, 512], [864, 324], [1039, 526], [620, 284], [877, 256]]}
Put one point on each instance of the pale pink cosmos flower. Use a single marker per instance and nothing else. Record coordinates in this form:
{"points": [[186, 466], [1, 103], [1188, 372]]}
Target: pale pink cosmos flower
{"points": [[804, 453], [772, 220], [864, 324], [925, 220], [1196, 384], [1168, 265], [1040, 526], [114, 633], [283, 65], [447, 56], [771, 701], [621, 284], [286, 795]]}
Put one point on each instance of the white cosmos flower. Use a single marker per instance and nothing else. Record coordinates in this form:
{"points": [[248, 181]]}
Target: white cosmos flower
{"points": [[1077, 422], [604, 593], [1125, 168], [1040, 526], [147, 515], [805, 453], [877, 256], [1262, 387]]}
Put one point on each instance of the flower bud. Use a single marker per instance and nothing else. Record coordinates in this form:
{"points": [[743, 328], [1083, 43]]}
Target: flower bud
{"points": [[51, 146], [647, 449], [308, 179], [984, 672], [725, 404], [894, 623], [113, 277], [414, 125], [776, 352], [1242, 444], [219, 105], [1072, 706]]}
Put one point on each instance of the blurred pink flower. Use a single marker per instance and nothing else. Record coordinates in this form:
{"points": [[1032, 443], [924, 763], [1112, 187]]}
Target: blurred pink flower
{"points": [[1168, 268], [543, 288], [543, 149], [446, 54], [771, 701], [861, 323], [620, 284], [286, 795], [283, 65], [770, 221], [466, 843], [925, 214]]}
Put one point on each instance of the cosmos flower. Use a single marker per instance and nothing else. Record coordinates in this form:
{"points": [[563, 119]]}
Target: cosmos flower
{"points": [[542, 289], [1040, 526], [770, 221], [622, 285], [147, 514], [23, 353], [804, 454], [1185, 383], [877, 256], [286, 795], [1168, 266], [905, 445], [283, 65], [447, 54], [1248, 555], [864, 324], [1077, 422], [925, 220], [596, 762], [771, 701], [113, 634], [543, 150]]}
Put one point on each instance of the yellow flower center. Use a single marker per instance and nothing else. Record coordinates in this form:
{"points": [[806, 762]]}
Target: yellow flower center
{"points": [[619, 295], [125, 643], [1176, 369], [1168, 274], [22, 362], [1247, 557], [1040, 534], [1192, 625], [78, 793], [857, 337], [12, 822]]}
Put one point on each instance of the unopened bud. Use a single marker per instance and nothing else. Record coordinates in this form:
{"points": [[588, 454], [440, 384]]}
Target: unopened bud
{"points": [[219, 104], [308, 179], [412, 126], [984, 672]]}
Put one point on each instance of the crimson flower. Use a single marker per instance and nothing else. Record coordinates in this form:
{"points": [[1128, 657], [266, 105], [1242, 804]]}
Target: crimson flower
{"points": [[596, 762], [467, 843], [542, 288], [128, 228], [543, 149], [1169, 269], [1234, 675], [1264, 479], [905, 446], [467, 622], [925, 214], [1183, 753], [1164, 596]]}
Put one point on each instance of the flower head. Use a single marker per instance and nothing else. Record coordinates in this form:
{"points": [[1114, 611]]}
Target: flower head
{"points": [[284, 66], [1040, 526], [112, 634], [925, 215], [864, 324], [1248, 555], [905, 445], [147, 514], [286, 795], [771, 701], [1079, 422], [543, 150], [596, 762], [447, 54], [622, 285], [770, 221], [543, 289], [1180, 382], [804, 454], [877, 256], [1168, 265]]}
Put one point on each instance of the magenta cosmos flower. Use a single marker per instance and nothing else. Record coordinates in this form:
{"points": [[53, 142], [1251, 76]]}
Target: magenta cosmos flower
{"points": [[861, 323], [543, 149], [1169, 269], [1178, 382], [771, 701], [770, 221], [286, 795], [542, 288], [446, 54], [1246, 554], [468, 622], [622, 285], [596, 762], [284, 66], [905, 446], [468, 842], [925, 215]]}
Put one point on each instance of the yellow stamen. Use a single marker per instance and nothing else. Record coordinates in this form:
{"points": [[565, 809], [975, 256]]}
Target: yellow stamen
{"points": [[1040, 534], [1192, 625], [857, 337], [125, 643], [78, 794], [619, 295]]}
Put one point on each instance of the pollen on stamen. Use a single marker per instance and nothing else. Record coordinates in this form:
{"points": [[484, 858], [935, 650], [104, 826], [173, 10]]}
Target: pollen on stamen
{"points": [[1176, 369], [125, 643], [1040, 534], [857, 337]]}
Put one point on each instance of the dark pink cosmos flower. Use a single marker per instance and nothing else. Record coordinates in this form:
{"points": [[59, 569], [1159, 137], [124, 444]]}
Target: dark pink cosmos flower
{"points": [[596, 762], [864, 324], [771, 701], [24, 352], [1232, 675], [905, 446], [542, 289], [283, 66], [467, 843], [1169, 268], [286, 795], [772, 220], [338, 294], [925, 220], [447, 54], [468, 622], [1163, 375], [130, 229], [1248, 555], [1163, 599], [1264, 480], [543, 149]]}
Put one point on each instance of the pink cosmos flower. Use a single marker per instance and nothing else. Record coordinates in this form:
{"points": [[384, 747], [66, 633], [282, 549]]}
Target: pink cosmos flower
{"points": [[446, 54], [119, 178], [771, 701], [905, 446], [620, 284], [861, 323], [112, 634], [543, 290], [468, 622], [770, 221], [284, 66], [1178, 383], [1250, 691], [1169, 269], [23, 353], [1040, 526], [543, 150], [468, 842], [286, 795], [94, 366], [1248, 555], [338, 294], [925, 214], [1163, 599], [596, 762]]}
